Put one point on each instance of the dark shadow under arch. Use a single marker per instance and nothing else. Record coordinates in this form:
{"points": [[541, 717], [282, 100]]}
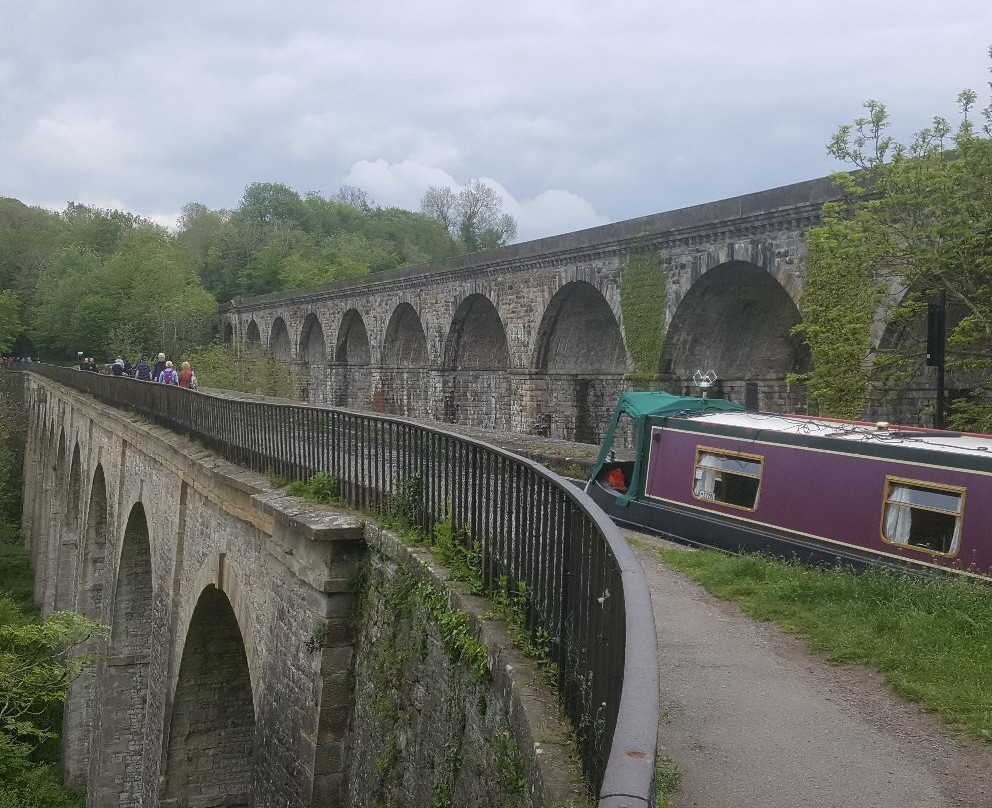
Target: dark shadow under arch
{"points": [[736, 320], [279, 344], [405, 343], [211, 751], [77, 728], [581, 352], [352, 346], [253, 336], [124, 675], [476, 358]]}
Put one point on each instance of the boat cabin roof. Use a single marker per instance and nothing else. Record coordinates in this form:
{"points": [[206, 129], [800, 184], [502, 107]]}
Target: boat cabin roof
{"points": [[876, 435]]}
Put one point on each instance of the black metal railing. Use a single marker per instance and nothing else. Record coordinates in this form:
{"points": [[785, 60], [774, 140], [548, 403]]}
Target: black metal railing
{"points": [[585, 590]]}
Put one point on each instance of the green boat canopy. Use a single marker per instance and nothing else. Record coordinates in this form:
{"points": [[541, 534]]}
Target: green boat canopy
{"points": [[640, 407]]}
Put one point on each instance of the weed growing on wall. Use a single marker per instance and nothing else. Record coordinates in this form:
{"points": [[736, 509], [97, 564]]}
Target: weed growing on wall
{"points": [[454, 549], [321, 489], [405, 510], [457, 634], [643, 300]]}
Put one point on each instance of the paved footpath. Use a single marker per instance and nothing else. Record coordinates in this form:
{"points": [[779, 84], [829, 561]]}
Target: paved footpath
{"points": [[754, 721]]}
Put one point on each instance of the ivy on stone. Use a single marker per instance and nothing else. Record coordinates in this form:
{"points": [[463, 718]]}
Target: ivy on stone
{"points": [[643, 301]]}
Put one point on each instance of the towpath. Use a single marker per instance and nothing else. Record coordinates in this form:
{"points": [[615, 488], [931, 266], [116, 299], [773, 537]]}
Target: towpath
{"points": [[753, 720]]}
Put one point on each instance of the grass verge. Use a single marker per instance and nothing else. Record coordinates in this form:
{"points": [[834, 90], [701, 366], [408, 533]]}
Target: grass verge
{"points": [[930, 638]]}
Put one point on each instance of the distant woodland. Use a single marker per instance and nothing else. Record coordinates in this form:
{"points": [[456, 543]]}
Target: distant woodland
{"points": [[108, 282]]}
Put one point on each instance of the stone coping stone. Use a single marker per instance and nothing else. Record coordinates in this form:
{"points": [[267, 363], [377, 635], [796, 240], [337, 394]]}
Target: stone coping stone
{"points": [[316, 522]]}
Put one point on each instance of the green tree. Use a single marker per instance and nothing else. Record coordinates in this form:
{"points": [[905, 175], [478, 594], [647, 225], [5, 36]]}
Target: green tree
{"points": [[10, 321], [38, 661], [915, 221], [142, 298], [28, 238]]}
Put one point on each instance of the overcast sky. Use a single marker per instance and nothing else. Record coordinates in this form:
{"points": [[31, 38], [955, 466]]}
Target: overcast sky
{"points": [[579, 113]]}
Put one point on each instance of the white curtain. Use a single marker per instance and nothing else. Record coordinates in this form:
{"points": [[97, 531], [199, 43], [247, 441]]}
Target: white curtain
{"points": [[707, 476], [898, 514]]}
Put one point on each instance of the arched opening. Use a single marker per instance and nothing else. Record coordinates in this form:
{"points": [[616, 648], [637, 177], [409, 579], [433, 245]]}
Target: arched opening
{"points": [[279, 345], [403, 385], [581, 352], [212, 734], [405, 344], [313, 352], [476, 357], [903, 386], [229, 333], [312, 345], [736, 321], [77, 732], [68, 546], [46, 560], [253, 336], [123, 675], [352, 346], [350, 383]]}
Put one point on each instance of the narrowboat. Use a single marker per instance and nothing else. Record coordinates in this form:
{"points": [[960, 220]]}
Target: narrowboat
{"points": [[707, 472]]}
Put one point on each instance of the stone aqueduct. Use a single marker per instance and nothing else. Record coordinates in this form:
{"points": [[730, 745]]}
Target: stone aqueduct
{"points": [[204, 692], [532, 338]]}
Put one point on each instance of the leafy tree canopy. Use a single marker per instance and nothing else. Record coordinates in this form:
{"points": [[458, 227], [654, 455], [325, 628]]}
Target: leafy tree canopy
{"points": [[915, 221], [38, 661], [10, 324]]}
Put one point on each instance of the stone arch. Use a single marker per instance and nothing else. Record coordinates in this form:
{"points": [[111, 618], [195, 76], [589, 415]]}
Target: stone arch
{"points": [[46, 561], [229, 333], [579, 333], [910, 398], [313, 353], [580, 352], [405, 343], [210, 753], [279, 344], [736, 321], [349, 381], [476, 359], [313, 348], [68, 545], [77, 733], [352, 346], [124, 674], [253, 336], [403, 382]]}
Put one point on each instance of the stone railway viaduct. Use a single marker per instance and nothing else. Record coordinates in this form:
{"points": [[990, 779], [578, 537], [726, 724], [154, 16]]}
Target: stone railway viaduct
{"points": [[537, 337]]}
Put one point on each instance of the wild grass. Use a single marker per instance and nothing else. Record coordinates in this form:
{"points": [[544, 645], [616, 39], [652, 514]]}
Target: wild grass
{"points": [[930, 638]]}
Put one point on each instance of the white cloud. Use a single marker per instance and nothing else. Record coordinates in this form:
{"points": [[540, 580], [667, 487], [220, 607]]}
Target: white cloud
{"points": [[584, 112], [403, 185]]}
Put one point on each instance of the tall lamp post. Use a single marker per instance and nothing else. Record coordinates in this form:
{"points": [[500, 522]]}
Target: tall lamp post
{"points": [[936, 311]]}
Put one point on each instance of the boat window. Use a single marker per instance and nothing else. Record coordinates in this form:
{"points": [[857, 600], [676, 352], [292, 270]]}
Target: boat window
{"points": [[726, 477], [923, 515]]}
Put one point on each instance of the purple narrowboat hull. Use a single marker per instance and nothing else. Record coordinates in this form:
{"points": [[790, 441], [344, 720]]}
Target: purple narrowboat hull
{"points": [[816, 494]]}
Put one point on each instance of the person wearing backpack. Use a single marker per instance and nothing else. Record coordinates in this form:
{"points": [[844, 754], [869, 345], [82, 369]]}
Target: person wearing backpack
{"points": [[168, 375], [143, 371]]}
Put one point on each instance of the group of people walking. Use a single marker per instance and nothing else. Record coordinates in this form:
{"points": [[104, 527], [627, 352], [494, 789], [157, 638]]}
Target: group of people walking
{"points": [[163, 371]]}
